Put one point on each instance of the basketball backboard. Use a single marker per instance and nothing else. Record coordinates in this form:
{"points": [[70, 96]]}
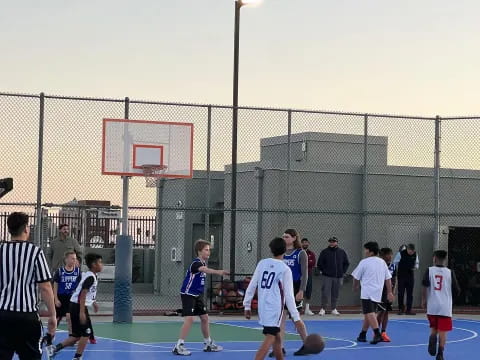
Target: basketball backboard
{"points": [[128, 145]]}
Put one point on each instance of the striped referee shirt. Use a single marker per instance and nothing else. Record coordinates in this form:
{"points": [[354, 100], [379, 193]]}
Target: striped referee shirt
{"points": [[22, 265]]}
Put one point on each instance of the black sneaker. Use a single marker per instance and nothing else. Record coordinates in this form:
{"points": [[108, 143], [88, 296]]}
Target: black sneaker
{"points": [[362, 338], [439, 356], [272, 355], [301, 352], [432, 345], [376, 339]]}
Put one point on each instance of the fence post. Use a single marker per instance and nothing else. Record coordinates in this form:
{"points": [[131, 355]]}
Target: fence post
{"points": [[209, 184], [122, 300], [259, 175], [38, 227], [436, 236], [289, 162], [365, 181]]}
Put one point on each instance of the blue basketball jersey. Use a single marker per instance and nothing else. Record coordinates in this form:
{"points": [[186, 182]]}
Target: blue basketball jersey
{"points": [[194, 283], [67, 280], [293, 262]]}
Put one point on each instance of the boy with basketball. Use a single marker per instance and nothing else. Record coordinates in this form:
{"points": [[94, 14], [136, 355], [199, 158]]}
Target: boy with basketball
{"points": [[382, 317], [192, 304], [273, 279], [372, 274], [439, 287], [84, 295]]}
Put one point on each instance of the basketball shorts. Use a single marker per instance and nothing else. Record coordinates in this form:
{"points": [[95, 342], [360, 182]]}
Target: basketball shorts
{"points": [[271, 330], [193, 305], [441, 323], [64, 309], [20, 333], [368, 306], [79, 329]]}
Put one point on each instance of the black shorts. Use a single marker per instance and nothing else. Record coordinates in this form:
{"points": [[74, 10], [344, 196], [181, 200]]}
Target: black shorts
{"points": [[20, 333], [79, 329], [64, 309], [271, 330], [368, 306], [296, 289], [193, 305]]}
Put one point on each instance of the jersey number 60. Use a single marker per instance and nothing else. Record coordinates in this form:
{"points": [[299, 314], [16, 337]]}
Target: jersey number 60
{"points": [[267, 280]]}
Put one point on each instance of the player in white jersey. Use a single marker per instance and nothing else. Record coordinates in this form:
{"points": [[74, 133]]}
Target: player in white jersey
{"points": [[83, 296], [439, 287], [273, 280]]}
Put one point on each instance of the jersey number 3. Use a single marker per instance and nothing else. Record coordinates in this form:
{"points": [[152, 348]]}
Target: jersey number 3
{"points": [[267, 280], [438, 282]]}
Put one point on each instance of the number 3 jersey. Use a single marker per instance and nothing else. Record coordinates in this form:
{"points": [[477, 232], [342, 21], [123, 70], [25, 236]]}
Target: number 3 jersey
{"points": [[441, 285], [273, 280]]}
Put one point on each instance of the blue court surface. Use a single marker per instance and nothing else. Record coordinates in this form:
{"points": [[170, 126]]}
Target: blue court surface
{"points": [[409, 341]]}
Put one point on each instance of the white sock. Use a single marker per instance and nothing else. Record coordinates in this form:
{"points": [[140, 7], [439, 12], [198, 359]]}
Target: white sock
{"points": [[207, 340], [307, 307], [180, 342]]}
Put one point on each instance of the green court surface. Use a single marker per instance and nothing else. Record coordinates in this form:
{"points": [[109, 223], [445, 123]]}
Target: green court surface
{"points": [[168, 331]]}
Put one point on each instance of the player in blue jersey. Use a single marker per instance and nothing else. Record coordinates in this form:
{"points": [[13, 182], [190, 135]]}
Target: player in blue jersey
{"points": [[297, 260], [192, 304]]}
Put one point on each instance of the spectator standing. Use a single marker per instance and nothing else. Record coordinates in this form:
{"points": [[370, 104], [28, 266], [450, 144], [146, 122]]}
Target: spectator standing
{"points": [[60, 245], [333, 264], [406, 262], [312, 260]]}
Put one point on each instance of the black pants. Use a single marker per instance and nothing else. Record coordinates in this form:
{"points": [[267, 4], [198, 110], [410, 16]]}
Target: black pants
{"points": [[405, 283], [20, 333]]}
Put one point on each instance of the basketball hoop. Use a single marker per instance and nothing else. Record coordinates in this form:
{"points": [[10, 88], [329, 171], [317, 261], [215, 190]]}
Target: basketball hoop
{"points": [[153, 173]]}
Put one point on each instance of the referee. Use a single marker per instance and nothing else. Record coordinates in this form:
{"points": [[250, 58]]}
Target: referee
{"points": [[23, 268]]}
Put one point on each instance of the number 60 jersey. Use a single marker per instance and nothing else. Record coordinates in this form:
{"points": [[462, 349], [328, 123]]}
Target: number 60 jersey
{"points": [[273, 279]]}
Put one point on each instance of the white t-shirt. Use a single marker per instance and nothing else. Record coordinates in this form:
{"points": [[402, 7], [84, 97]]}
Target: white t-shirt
{"points": [[372, 273], [273, 279], [439, 294]]}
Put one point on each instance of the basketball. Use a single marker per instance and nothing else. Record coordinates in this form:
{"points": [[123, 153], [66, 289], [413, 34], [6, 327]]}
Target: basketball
{"points": [[314, 344]]}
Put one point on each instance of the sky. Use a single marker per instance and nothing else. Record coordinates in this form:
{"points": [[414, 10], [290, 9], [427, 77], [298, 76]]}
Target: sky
{"points": [[401, 57], [395, 57]]}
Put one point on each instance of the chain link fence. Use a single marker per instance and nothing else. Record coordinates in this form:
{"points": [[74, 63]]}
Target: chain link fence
{"points": [[359, 177]]}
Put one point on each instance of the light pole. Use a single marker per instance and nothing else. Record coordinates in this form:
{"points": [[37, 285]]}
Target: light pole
{"points": [[233, 196]]}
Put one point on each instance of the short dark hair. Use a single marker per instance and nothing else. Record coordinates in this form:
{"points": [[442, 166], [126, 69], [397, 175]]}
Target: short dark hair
{"points": [[372, 246], [411, 246], [17, 223], [91, 259], [200, 244], [305, 239], [278, 246], [385, 251], [61, 226], [440, 254]]}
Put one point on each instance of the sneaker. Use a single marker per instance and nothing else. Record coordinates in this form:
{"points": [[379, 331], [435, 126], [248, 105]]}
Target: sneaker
{"points": [[92, 341], [212, 347], [181, 350], [335, 312], [272, 355], [50, 349], [410, 312], [385, 337], [309, 312], [376, 339], [439, 356], [362, 338], [321, 312], [78, 358], [301, 352], [400, 312], [432, 345]]}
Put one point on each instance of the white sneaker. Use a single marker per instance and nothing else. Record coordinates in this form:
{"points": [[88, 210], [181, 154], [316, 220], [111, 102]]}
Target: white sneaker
{"points": [[321, 312], [212, 347], [335, 312], [309, 312], [181, 350]]}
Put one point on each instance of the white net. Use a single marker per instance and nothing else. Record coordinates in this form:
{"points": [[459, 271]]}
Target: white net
{"points": [[153, 174]]}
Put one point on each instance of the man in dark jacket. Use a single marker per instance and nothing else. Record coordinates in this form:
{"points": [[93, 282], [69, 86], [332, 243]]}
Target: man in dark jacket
{"points": [[407, 264], [333, 264]]}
